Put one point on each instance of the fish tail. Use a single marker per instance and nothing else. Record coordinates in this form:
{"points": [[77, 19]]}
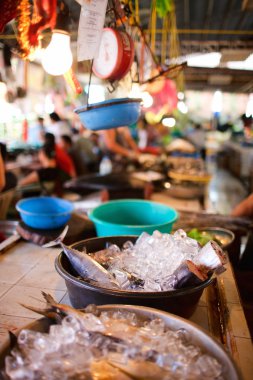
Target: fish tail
{"points": [[36, 309], [49, 313], [58, 240]]}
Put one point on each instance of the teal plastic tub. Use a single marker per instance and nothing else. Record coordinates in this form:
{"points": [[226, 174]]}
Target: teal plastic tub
{"points": [[132, 217]]}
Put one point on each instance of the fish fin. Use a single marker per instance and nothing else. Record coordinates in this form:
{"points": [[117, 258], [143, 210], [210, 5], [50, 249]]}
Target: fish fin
{"points": [[58, 240], [50, 300]]}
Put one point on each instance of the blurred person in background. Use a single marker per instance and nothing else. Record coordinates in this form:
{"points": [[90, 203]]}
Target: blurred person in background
{"points": [[198, 138], [36, 131], [8, 180], [48, 170], [118, 141], [63, 159], [247, 126], [82, 153], [149, 138], [58, 126]]}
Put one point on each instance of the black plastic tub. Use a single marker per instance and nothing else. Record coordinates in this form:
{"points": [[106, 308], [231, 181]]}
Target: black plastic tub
{"points": [[182, 302]]}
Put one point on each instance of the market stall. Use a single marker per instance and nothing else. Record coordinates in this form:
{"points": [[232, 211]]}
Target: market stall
{"points": [[27, 269]]}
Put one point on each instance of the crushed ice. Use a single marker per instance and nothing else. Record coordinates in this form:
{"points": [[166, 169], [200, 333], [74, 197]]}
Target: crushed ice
{"points": [[149, 264], [79, 347]]}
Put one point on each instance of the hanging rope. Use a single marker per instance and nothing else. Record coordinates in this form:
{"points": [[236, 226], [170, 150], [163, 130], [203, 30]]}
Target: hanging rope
{"points": [[137, 13], [164, 46], [174, 49], [153, 26]]}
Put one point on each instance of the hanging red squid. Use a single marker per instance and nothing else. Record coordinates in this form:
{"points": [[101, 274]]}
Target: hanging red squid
{"points": [[32, 20]]}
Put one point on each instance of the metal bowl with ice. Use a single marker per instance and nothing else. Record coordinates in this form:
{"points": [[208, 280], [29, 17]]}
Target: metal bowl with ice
{"points": [[172, 283], [222, 236], [114, 342]]}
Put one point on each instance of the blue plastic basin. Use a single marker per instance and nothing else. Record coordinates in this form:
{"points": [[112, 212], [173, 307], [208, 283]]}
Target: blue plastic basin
{"points": [[132, 217], [44, 212], [110, 114]]}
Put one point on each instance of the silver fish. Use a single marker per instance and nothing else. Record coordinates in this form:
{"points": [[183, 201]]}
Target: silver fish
{"points": [[83, 264]]}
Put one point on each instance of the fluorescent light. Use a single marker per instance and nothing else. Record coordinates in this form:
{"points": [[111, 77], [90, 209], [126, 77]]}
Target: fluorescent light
{"points": [[147, 99], [169, 122], [217, 102], [242, 65], [204, 60], [249, 108], [180, 95], [182, 107]]}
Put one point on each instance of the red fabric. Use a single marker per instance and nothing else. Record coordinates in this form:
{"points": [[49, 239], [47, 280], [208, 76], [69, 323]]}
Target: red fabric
{"points": [[64, 161], [46, 11], [166, 96], [156, 150], [8, 12], [25, 130]]}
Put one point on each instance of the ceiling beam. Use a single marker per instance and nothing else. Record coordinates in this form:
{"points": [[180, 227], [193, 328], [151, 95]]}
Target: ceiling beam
{"points": [[189, 47], [205, 86], [218, 71], [207, 31]]}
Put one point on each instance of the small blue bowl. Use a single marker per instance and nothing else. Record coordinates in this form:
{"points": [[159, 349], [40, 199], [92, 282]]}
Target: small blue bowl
{"points": [[110, 114], [45, 213], [132, 217]]}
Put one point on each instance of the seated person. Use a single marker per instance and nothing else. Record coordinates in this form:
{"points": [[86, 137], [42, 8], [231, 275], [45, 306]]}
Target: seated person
{"points": [[8, 180], [57, 126], [48, 172], [63, 159]]}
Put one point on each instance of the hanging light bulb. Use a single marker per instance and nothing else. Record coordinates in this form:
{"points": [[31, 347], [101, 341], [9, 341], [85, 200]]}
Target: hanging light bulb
{"points": [[57, 58]]}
